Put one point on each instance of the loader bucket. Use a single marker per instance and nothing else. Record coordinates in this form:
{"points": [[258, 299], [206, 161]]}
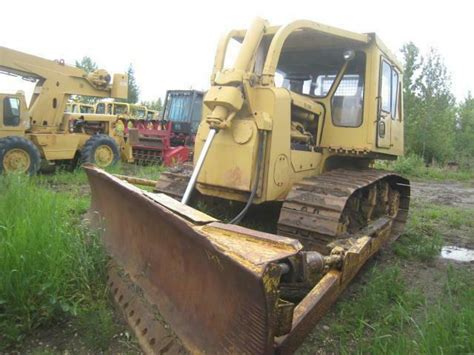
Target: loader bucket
{"points": [[209, 287]]}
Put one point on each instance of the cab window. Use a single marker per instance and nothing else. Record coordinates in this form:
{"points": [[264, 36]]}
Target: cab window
{"points": [[100, 108], [11, 111], [389, 92]]}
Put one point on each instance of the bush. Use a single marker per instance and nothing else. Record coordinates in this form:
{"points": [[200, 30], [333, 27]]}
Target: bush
{"points": [[413, 166], [49, 264]]}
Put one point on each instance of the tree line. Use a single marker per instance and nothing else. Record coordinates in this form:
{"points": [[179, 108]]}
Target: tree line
{"points": [[437, 128]]}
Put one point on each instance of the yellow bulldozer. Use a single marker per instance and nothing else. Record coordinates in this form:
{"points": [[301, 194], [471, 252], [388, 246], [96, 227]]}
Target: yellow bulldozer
{"points": [[44, 131], [294, 125]]}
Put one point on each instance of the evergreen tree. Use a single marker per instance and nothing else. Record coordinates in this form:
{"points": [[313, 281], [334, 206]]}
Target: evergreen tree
{"points": [[133, 89], [87, 64]]}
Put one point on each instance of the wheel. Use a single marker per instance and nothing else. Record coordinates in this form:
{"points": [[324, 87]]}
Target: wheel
{"points": [[19, 155], [101, 150]]}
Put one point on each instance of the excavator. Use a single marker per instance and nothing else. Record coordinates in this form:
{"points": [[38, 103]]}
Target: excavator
{"points": [[292, 124], [43, 131]]}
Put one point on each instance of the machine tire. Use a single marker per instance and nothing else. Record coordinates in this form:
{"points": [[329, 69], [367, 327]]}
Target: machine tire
{"points": [[101, 150], [18, 154]]}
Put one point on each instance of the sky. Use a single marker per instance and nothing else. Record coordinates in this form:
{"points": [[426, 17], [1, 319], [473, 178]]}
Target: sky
{"points": [[172, 44]]}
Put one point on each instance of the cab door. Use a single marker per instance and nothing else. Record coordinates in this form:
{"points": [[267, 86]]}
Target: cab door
{"points": [[13, 115], [384, 116]]}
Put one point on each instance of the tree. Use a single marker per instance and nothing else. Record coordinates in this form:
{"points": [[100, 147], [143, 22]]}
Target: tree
{"points": [[153, 104], [465, 132], [430, 108], [412, 61], [133, 89], [88, 65], [438, 110]]}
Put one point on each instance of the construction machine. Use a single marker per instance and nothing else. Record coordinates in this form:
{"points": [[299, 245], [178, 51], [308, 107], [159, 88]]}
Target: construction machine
{"points": [[293, 126], [183, 109], [43, 130], [170, 139]]}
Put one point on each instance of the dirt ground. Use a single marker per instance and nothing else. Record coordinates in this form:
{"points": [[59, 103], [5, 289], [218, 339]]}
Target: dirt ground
{"points": [[455, 194]]}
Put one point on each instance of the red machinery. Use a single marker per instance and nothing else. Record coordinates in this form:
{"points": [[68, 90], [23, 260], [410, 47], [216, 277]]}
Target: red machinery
{"points": [[151, 143]]}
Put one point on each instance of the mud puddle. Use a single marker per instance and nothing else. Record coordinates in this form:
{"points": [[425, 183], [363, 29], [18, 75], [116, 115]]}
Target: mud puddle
{"points": [[456, 253]]}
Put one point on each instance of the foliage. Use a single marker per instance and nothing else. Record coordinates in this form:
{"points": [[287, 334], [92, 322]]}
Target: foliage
{"points": [[465, 133], [87, 64], [413, 166], [429, 105], [51, 267]]}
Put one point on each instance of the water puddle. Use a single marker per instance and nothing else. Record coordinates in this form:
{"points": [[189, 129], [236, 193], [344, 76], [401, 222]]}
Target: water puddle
{"points": [[457, 253]]}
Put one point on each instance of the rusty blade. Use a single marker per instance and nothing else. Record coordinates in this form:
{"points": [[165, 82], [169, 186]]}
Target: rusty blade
{"points": [[211, 284]]}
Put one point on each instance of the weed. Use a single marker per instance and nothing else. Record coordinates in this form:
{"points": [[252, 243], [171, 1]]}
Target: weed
{"points": [[50, 266]]}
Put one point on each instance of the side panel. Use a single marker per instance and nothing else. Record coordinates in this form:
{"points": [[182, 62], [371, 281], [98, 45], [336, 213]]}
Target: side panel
{"points": [[56, 146]]}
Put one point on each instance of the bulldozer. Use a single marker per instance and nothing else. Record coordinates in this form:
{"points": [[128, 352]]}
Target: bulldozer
{"points": [[293, 123], [44, 131]]}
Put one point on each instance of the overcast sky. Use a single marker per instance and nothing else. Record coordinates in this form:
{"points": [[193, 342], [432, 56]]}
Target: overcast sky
{"points": [[171, 44]]}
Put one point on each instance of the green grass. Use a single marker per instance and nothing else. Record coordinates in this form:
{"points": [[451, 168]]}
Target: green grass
{"points": [[423, 236], [51, 266], [444, 327], [96, 326], [387, 316], [414, 167]]}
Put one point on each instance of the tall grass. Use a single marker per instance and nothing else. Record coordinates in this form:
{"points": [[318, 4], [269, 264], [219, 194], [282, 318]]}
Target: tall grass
{"points": [[50, 267], [444, 327]]}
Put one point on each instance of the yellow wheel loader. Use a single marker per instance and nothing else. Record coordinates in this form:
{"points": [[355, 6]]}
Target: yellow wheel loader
{"points": [[43, 131], [294, 124]]}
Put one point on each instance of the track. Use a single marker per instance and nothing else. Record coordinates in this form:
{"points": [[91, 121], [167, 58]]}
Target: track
{"points": [[173, 182], [323, 210]]}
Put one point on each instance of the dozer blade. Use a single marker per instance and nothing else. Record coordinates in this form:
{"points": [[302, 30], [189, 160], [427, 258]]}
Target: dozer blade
{"points": [[186, 282]]}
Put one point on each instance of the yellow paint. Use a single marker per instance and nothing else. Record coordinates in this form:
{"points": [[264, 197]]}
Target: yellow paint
{"points": [[45, 122], [247, 95]]}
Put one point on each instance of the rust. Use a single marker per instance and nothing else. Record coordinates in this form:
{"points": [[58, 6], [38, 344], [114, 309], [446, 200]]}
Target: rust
{"points": [[203, 289], [218, 288]]}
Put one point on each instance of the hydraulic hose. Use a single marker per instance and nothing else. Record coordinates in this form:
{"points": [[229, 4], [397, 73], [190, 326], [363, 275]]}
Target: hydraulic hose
{"points": [[261, 150]]}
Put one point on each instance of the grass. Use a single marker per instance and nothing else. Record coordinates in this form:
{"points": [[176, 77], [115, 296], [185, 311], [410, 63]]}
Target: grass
{"points": [[444, 327], [385, 315], [423, 237], [52, 267], [97, 326], [413, 166]]}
